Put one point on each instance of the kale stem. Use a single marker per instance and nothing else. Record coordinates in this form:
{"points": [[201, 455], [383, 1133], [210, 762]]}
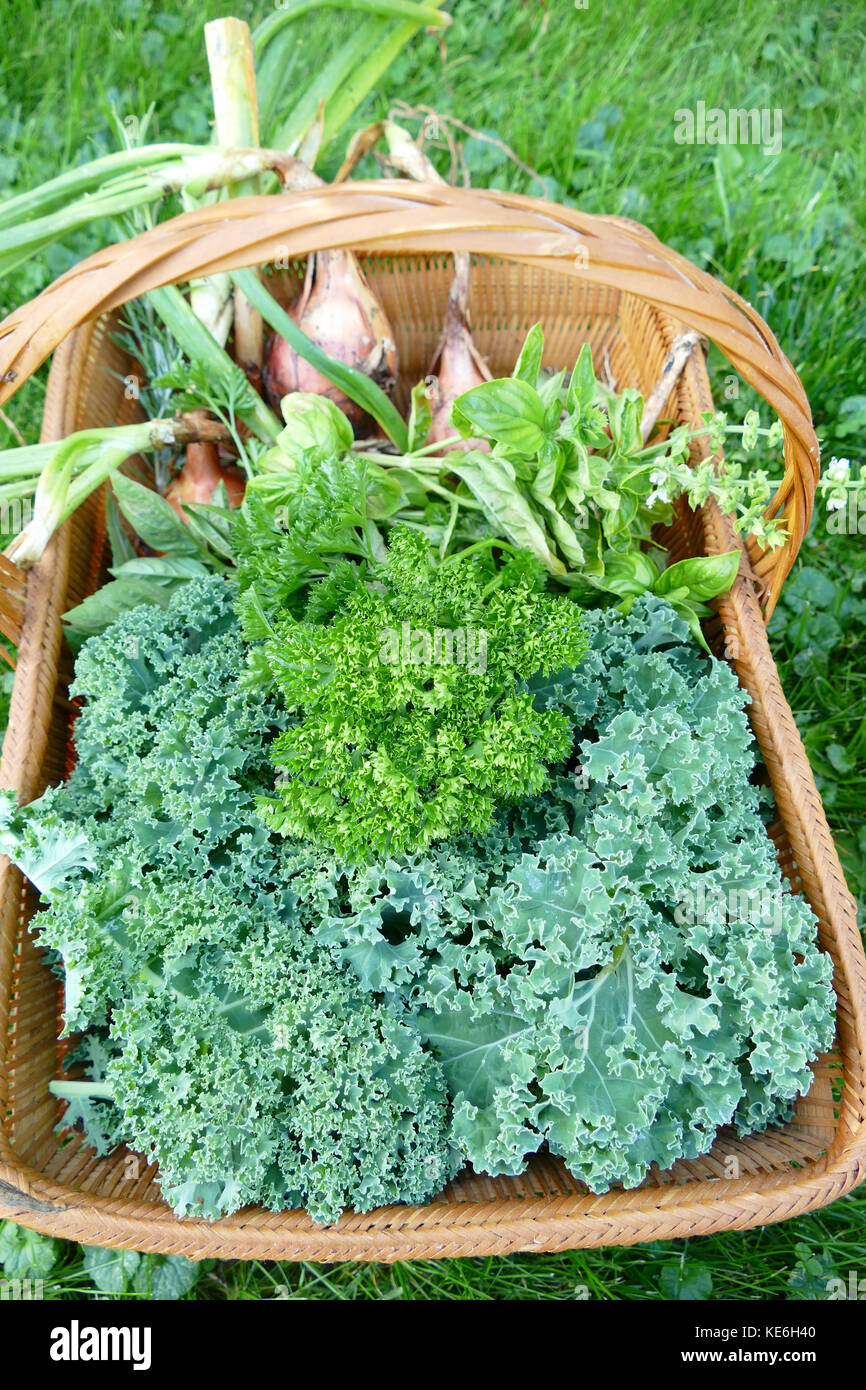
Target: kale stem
{"points": [[69, 1090]]}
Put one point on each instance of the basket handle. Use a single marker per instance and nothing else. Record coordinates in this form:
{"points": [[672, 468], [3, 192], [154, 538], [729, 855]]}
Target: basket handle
{"points": [[400, 216], [17, 1201]]}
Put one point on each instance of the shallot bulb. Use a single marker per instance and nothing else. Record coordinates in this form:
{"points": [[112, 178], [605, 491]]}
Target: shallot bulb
{"points": [[457, 365], [201, 474], [341, 314]]}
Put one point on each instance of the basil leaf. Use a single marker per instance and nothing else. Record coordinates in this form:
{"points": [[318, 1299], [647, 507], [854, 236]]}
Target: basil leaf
{"points": [[528, 364], [581, 387], [420, 417], [613, 505], [460, 421], [313, 425], [691, 614], [624, 413], [507, 507], [211, 527], [151, 517], [551, 461], [577, 479], [703, 577], [629, 574], [564, 535], [630, 441], [550, 392], [509, 411]]}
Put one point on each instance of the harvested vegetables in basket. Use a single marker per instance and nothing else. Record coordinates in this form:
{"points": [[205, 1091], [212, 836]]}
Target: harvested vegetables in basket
{"points": [[409, 830], [279, 1025]]}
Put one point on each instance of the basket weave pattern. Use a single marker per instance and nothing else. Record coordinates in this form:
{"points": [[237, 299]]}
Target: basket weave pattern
{"points": [[55, 1184]]}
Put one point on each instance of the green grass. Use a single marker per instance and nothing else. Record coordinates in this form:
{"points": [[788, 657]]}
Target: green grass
{"points": [[588, 102]]}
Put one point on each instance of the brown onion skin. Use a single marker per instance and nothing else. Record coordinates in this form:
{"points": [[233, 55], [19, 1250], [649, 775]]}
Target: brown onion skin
{"points": [[196, 481], [340, 313], [201, 473], [457, 367]]}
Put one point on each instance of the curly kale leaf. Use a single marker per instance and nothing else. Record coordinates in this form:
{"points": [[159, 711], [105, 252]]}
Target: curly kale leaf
{"points": [[611, 966], [224, 1039], [46, 848], [171, 751], [407, 720], [615, 969], [172, 754], [257, 1071], [88, 1102]]}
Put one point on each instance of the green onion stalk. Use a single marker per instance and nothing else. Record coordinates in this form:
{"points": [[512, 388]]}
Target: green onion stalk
{"points": [[236, 124], [73, 470], [194, 172], [76, 183], [350, 74]]}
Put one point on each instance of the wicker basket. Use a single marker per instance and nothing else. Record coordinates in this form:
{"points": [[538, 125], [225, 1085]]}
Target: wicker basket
{"points": [[604, 280]]}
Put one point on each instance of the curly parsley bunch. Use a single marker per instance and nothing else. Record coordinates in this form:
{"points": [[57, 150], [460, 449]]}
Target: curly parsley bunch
{"points": [[407, 722]]}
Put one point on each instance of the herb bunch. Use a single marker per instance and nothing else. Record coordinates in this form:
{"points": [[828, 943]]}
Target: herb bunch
{"points": [[402, 686]]}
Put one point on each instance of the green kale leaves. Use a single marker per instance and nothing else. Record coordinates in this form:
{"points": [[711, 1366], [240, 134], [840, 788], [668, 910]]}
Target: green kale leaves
{"points": [[224, 1041], [611, 968], [615, 969]]}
